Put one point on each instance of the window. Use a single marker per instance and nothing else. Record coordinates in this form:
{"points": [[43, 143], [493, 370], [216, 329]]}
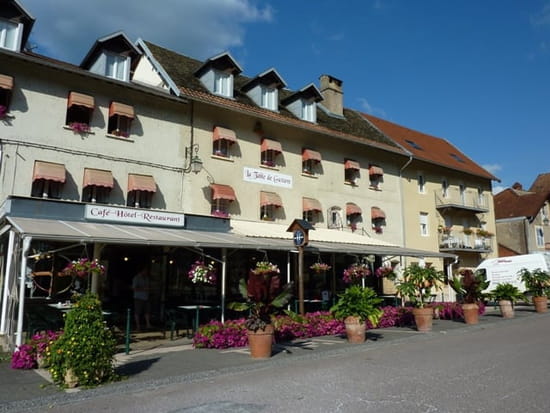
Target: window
{"points": [[222, 196], [311, 210], [10, 34], [6, 86], [97, 185], [116, 66], [96, 194], [457, 158], [269, 97], [140, 199], [223, 83], [79, 112], [462, 190], [414, 144], [424, 224], [539, 232], [120, 119], [444, 188], [351, 172], [378, 219], [353, 215], [335, 218], [376, 177], [308, 110], [48, 178], [544, 214], [269, 203], [222, 140], [270, 149], [140, 190], [310, 161], [421, 184], [480, 197]]}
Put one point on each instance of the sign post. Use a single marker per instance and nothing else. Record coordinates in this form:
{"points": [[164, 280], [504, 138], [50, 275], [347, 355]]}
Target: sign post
{"points": [[300, 237]]}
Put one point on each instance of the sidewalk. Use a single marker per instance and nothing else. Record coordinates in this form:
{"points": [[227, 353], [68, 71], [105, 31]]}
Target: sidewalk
{"points": [[159, 362]]}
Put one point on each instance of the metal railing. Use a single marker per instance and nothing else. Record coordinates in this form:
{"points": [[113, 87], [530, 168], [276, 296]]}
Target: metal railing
{"points": [[459, 241], [467, 199]]}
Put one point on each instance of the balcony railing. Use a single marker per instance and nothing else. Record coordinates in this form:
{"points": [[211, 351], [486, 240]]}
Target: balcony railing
{"points": [[467, 200], [456, 241]]}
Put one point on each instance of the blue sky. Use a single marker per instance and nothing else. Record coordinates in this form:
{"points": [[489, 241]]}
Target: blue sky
{"points": [[476, 73]]}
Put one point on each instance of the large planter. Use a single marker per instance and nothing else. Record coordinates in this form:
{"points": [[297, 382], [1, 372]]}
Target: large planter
{"points": [[471, 313], [423, 318], [260, 342], [541, 304], [355, 329], [506, 308]]}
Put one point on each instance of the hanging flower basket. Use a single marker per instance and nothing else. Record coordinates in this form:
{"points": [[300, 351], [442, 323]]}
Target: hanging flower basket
{"points": [[386, 272], [82, 268], [356, 272], [202, 273], [265, 268], [320, 267]]}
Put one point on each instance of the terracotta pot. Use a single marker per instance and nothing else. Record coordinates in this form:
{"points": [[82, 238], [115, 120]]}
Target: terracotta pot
{"points": [[355, 330], [260, 342], [423, 318], [506, 308], [541, 304], [471, 314]]}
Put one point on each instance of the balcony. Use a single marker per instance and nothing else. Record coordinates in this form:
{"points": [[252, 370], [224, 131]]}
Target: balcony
{"points": [[460, 242], [465, 201]]}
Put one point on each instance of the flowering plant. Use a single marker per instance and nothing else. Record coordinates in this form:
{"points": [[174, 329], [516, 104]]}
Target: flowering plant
{"points": [[356, 272], [220, 214], [201, 272], [83, 267], [385, 272], [268, 163], [265, 267], [24, 357], [377, 229], [80, 127], [43, 341], [3, 111], [320, 267], [444, 230]]}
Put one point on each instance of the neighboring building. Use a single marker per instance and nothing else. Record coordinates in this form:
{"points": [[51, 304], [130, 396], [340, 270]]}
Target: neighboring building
{"points": [[449, 203], [522, 218]]}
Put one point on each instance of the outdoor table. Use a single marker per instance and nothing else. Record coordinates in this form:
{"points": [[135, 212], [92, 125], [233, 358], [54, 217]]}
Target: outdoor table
{"points": [[306, 301], [197, 308], [64, 307]]}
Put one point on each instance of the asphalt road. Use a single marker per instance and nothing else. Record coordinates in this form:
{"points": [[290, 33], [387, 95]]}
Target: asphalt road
{"points": [[504, 368]]}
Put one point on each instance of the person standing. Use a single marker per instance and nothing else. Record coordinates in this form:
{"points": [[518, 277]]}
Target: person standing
{"points": [[141, 286]]}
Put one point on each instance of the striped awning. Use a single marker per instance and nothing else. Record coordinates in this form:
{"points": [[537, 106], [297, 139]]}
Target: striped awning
{"points": [[98, 177], [310, 204], [352, 209], [271, 145], [222, 192], [141, 183], [349, 164], [79, 99], [377, 213], [49, 171], [224, 134], [121, 109], [6, 82], [376, 170], [309, 154], [270, 198]]}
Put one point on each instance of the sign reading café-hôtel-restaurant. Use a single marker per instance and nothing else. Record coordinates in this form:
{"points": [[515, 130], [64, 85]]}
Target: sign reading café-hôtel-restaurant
{"points": [[133, 216]]}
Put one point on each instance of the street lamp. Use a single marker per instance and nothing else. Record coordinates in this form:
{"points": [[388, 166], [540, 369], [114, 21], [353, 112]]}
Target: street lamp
{"points": [[194, 163]]}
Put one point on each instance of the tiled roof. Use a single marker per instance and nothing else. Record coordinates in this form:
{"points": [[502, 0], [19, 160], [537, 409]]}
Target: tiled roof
{"points": [[512, 203], [429, 148], [352, 127], [541, 184]]}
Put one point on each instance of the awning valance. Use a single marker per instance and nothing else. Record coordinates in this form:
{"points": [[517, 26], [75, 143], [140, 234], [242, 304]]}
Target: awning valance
{"points": [[6, 82], [98, 177], [141, 183], [121, 109], [79, 99], [49, 171], [270, 198], [222, 192], [349, 164], [376, 170], [352, 209], [309, 154], [271, 145], [310, 204], [377, 213], [224, 134]]}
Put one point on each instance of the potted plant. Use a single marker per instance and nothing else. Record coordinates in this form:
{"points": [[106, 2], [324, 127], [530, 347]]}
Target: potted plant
{"points": [[417, 285], [320, 267], [506, 294], [537, 282], [264, 295], [469, 287], [200, 272], [355, 273], [355, 306]]}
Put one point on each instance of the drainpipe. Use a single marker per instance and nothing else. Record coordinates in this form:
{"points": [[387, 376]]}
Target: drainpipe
{"points": [[22, 276], [7, 273], [403, 230]]}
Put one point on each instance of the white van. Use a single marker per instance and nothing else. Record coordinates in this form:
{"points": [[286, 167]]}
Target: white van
{"points": [[506, 269]]}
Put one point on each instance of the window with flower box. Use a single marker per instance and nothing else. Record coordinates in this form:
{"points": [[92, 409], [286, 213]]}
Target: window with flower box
{"points": [[222, 196], [376, 177], [311, 161], [120, 119], [270, 202], [351, 172], [378, 219], [353, 215], [222, 140], [6, 86], [79, 112], [270, 150]]}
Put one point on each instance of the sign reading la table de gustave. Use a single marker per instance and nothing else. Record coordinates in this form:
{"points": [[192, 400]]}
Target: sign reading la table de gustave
{"points": [[133, 216], [261, 176]]}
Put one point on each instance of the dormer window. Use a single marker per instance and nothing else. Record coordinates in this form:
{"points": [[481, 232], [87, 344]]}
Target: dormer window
{"points": [[264, 89], [269, 98], [223, 83], [10, 34], [116, 66], [303, 104], [308, 111], [217, 74]]}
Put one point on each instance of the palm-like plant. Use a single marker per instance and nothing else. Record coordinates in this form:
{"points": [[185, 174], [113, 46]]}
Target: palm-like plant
{"points": [[470, 286], [536, 281], [508, 292], [418, 283], [360, 302]]}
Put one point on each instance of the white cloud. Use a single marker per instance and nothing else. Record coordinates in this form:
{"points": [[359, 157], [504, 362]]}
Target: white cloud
{"points": [[66, 29], [492, 168], [365, 106], [498, 188], [542, 18]]}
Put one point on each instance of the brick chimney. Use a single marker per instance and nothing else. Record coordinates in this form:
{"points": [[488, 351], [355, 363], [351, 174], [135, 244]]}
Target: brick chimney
{"points": [[333, 96]]}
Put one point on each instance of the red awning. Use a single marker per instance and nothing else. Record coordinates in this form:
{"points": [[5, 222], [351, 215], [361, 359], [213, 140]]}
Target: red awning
{"points": [[349, 164], [49, 171], [377, 213], [308, 154], [271, 145], [141, 183], [121, 109], [310, 204], [6, 82], [224, 134], [352, 209], [270, 198], [98, 177], [79, 99], [222, 192], [375, 170]]}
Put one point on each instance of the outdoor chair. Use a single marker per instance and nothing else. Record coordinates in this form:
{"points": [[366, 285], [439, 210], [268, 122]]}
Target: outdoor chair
{"points": [[174, 320]]}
